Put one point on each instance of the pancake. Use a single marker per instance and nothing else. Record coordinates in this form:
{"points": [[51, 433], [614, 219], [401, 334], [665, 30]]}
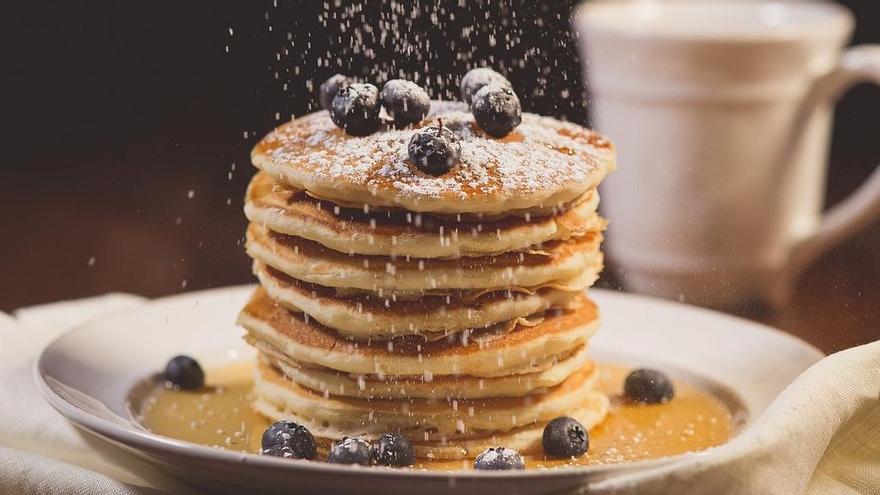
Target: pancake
{"points": [[399, 233], [526, 439], [543, 163], [456, 418], [580, 282], [450, 309], [495, 351], [312, 262], [550, 373], [368, 316]]}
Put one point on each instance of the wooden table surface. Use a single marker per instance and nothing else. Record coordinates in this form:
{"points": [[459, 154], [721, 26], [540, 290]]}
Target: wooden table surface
{"points": [[837, 301], [837, 304]]}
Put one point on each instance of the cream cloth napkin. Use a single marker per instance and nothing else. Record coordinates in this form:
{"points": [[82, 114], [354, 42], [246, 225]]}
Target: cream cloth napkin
{"points": [[40, 452], [820, 436]]}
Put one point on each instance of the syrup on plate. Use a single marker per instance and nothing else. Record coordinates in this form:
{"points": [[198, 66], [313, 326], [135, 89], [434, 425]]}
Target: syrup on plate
{"points": [[221, 416]]}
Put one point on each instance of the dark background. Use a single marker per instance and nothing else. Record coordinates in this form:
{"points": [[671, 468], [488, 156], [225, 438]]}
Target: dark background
{"points": [[127, 127]]}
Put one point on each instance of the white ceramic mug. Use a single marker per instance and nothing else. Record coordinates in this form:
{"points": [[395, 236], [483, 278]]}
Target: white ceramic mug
{"points": [[721, 113]]}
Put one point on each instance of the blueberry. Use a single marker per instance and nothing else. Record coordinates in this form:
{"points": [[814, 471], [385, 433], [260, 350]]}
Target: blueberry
{"points": [[291, 436], [475, 79], [499, 458], [434, 150], [330, 87], [185, 373], [565, 437], [356, 109], [350, 450], [648, 386], [393, 450], [405, 102], [496, 109]]}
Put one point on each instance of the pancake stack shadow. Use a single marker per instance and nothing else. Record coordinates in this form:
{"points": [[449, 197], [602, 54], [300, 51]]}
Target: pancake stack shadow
{"points": [[462, 326]]}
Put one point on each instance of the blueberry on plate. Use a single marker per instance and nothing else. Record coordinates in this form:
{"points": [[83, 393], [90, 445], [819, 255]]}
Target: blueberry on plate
{"points": [[496, 109], [184, 373], [475, 79], [350, 450], [405, 102], [292, 436], [434, 150], [393, 450], [647, 386], [498, 459], [565, 437], [356, 109], [330, 87]]}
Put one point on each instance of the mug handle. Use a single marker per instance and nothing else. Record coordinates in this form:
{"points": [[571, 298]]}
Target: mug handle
{"points": [[858, 64]]}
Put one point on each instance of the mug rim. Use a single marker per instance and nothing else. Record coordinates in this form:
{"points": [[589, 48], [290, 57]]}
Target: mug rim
{"points": [[838, 22]]}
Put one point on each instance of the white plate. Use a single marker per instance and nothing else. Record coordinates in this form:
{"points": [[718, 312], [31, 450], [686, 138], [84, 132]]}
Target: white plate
{"points": [[87, 375]]}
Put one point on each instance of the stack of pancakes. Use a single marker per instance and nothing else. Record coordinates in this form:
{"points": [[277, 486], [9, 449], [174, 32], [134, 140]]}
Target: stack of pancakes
{"points": [[450, 309]]}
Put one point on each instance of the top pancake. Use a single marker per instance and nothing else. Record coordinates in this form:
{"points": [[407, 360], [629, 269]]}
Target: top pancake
{"points": [[543, 162]]}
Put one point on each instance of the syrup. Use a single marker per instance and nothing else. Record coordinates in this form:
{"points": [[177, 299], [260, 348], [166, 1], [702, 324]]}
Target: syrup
{"points": [[221, 416]]}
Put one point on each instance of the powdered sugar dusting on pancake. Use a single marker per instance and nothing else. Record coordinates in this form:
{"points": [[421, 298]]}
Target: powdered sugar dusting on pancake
{"points": [[542, 157]]}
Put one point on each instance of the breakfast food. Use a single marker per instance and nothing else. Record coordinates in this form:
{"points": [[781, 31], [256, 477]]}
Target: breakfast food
{"points": [[184, 373], [351, 450], [565, 437], [355, 108], [289, 440], [475, 79], [499, 459], [422, 268], [393, 451], [648, 386], [496, 109], [434, 150], [422, 271], [220, 415], [405, 102]]}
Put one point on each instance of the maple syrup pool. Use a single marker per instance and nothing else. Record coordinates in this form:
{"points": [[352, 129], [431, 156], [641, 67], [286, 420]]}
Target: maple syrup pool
{"points": [[220, 416]]}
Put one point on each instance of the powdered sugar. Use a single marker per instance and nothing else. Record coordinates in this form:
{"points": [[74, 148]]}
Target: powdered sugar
{"points": [[541, 156]]}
